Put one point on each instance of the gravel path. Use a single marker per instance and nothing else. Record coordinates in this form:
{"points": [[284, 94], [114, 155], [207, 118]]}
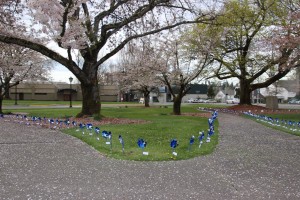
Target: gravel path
{"points": [[250, 162]]}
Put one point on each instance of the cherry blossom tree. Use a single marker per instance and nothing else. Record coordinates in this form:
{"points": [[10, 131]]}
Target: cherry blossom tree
{"points": [[97, 30], [179, 66], [252, 38], [19, 64], [138, 69]]}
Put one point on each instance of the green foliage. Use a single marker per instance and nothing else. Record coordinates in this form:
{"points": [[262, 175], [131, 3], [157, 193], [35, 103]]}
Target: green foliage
{"points": [[211, 92]]}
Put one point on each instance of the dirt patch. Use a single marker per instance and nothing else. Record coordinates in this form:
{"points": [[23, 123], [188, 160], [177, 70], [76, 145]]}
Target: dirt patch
{"points": [[202, 114]]}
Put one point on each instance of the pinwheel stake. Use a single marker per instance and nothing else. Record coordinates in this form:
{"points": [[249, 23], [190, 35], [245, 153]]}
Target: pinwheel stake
{"points": [[67, 123], [122, 142], [142, 144], [192, 140], [97, 131], [107, 136], [74, 124], [110, 138], [90, 128], [51, 121], [40, 121], [173, 145], [208, 135], [210, 122], [201, 137], [81, 126]]}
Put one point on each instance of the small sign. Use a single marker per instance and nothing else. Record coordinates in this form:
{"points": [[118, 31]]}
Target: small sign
{"points": [[98, 138], [145, 153], [107, 143], [174, 153]]}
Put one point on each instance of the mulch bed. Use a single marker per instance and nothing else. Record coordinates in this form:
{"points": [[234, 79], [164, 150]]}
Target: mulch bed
{"points": [[107, 120]]}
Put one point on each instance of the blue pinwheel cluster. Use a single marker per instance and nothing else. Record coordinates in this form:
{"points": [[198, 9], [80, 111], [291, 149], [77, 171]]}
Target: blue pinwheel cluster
{"points": [[287, 124], [210, 130]]}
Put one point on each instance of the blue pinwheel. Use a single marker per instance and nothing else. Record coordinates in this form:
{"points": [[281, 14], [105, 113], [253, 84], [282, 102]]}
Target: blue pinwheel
{"points": [[67, 123], [106, 134], [173, 144], [215, 115], [74, 123], [201, 137], [51, 122], [141, 143], [192, 140], [89, 127], [211, 132], [81, 126], [97, 131], [210, 122]]}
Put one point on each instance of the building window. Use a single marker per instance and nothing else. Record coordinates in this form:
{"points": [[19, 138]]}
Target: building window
{"points": [[40, 93]]}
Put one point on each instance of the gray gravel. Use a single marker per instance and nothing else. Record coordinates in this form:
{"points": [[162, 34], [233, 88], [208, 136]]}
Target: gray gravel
{"points": [[250, 162]]}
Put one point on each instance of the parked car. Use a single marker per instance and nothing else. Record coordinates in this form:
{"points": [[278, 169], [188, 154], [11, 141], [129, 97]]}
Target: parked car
{"points": [[200, 101], [211, 101], [232, 101], [141, 100], [294, 101], [190, 100]]}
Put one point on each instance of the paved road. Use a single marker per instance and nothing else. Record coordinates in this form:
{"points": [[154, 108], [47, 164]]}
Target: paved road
{"points": [[250, 162]]}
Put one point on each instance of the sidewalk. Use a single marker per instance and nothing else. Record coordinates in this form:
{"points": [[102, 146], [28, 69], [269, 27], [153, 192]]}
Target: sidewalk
{"points": [[250, 162]]}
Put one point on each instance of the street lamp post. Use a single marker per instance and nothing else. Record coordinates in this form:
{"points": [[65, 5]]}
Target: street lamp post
{"points": [[70, 79], [16, 97]]}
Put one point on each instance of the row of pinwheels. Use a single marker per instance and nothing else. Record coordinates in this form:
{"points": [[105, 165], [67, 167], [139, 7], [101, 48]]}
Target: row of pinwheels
{"points": [[89, 129], [201, 137], [288, 124]]}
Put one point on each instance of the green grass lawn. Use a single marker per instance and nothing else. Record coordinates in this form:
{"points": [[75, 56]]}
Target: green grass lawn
{"points": [[38, 103], [160, 128]]}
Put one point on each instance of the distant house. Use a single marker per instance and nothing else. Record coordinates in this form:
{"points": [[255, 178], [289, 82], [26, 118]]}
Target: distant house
{"points": [[223, 95], [196, 91], [281, 93]]}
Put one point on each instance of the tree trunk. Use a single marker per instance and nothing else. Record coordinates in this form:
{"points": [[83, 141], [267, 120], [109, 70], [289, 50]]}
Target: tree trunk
{"points": [[91, 104], [147, 98], [7, 95], [177, 105], [245, 92], [1, 101]]}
